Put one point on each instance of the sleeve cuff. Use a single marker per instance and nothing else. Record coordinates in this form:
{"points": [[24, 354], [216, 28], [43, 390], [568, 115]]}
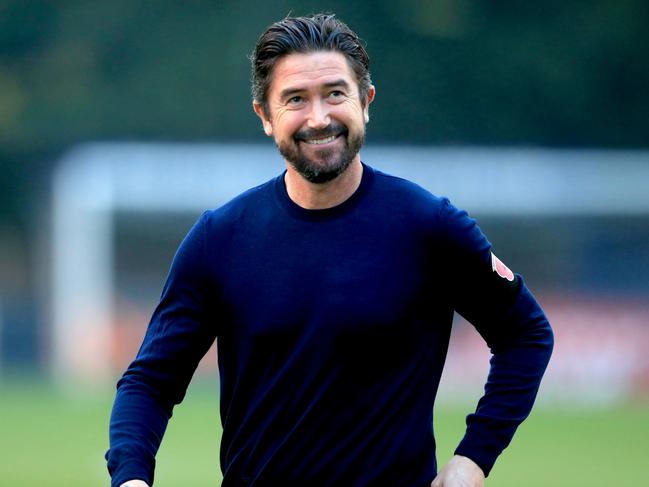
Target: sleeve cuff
{"points": [[132, 470], [484, 456]]}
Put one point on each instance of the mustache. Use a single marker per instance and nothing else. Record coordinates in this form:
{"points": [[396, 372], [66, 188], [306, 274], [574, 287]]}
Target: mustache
{"points": [[334, 128]]}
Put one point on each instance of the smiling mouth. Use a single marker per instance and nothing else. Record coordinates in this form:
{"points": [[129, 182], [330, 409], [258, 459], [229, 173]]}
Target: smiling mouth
{"points": [[324, 140]]}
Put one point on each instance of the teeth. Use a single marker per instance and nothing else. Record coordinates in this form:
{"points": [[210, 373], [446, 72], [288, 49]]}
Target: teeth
{"points": [[321, 141]]}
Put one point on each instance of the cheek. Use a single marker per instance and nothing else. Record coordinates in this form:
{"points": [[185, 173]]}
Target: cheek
{"points": [[286, 124], [352, 112]]}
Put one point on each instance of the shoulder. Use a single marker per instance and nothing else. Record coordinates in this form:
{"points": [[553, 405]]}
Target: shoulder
{"points": [[245, 204], [440, 218], [407, 197]]}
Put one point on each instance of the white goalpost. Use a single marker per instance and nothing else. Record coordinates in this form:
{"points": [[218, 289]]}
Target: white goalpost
{"points": [[94, 181]]}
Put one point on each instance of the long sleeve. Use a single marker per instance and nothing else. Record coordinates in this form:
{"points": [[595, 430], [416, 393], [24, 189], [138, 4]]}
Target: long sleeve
{"points": [[179, 334], [500, 306]]}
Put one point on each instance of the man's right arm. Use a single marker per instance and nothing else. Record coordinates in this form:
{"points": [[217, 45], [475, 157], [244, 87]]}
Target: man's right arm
{"points": [[179, 334]]}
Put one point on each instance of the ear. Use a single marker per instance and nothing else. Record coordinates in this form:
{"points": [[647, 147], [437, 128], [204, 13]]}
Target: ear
{"points": [[371, 93], [259, 110]]}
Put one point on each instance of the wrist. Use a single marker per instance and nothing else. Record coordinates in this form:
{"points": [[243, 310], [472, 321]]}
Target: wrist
{"points": [[467, 462], [134, 483]]}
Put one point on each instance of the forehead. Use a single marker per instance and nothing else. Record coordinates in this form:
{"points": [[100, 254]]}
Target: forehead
{"points": [[308, 70]]}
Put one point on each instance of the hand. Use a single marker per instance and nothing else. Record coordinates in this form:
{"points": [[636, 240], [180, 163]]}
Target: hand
{"points": [[459, 472], [134, 483]]}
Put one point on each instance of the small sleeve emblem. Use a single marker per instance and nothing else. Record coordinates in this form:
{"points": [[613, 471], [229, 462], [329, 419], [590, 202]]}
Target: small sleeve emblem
{"points": [[501, 269]]}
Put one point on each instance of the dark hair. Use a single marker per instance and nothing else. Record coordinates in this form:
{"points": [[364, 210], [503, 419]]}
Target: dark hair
{"points": [[320, 32]]}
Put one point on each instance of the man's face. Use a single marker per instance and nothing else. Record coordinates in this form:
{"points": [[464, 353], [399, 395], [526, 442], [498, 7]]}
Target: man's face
{"points": [[315, 113]]}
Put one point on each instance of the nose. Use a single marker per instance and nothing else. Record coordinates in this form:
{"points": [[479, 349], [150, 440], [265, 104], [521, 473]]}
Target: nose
{"points": [[318, 115]]}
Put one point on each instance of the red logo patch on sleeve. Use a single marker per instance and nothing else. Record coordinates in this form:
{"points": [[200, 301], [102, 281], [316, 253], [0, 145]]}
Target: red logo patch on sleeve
{"points": [[501, 269]]}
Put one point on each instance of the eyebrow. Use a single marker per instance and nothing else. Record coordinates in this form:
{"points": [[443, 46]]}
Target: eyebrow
{"points": [[286, 93]]}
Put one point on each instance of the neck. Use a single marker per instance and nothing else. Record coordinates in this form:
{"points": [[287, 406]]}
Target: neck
{"points": [[313, 196]]}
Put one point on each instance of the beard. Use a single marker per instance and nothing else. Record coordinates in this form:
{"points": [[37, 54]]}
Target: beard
{"points": [[330, 162]]}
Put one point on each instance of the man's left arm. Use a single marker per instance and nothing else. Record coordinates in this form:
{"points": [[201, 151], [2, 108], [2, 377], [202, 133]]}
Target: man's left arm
{"points": [[521, 341], [506, 314]]}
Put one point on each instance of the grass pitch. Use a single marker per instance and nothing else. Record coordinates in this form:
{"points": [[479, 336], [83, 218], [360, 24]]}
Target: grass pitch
{"points": [[48, 439]]}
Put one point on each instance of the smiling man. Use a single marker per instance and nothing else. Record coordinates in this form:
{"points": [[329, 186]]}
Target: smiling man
{"points": [[331, 291], [316, 113]]}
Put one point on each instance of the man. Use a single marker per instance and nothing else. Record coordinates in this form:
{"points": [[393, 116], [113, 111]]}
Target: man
{"points": [[331, 290]]}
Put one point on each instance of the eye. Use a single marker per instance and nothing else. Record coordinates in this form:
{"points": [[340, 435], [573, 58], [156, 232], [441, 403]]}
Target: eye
{"points": [[295, 100], [336, 96]]}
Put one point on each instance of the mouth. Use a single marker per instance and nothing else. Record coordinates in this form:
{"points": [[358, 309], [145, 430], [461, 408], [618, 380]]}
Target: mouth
{"points": [[321, 141]]}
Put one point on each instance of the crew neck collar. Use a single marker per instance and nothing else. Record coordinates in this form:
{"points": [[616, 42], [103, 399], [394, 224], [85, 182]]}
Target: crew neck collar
{"points": [[297, 211]]}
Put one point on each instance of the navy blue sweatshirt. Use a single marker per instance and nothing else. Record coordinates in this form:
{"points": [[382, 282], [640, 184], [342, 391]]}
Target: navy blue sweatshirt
{"points": [[333, 327]]}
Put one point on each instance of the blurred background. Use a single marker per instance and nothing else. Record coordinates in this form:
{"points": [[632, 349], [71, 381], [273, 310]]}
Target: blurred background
{"points": [[121, 121]]}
